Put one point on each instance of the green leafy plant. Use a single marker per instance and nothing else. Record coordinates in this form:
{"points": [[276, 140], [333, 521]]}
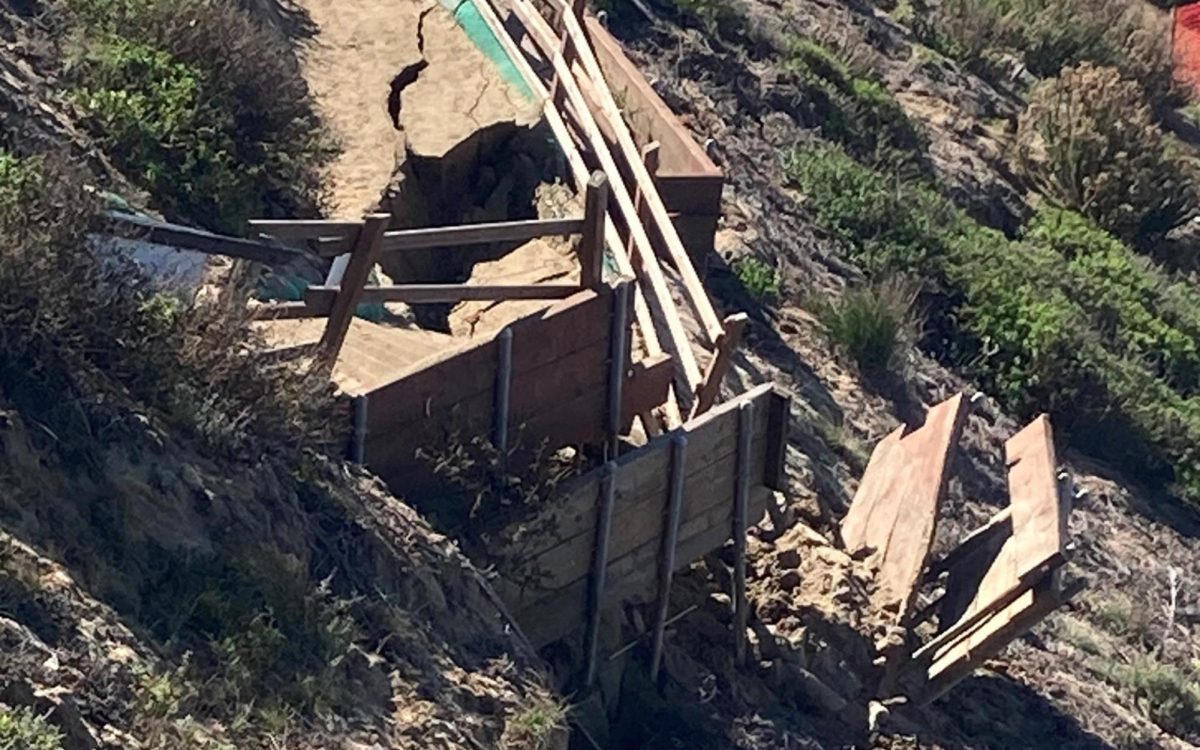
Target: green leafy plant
{"points": [[200, 105], [759, 278], [1064, 319], [849, 106], [532, 726], [21, 729], [871, 323], [1089, 142]]}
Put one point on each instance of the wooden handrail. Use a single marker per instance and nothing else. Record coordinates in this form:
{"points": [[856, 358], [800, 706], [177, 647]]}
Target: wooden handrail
{"points": [[580, 173], [645, 259], [333, 238], [319, 299], [188, 238], [611, 113]]}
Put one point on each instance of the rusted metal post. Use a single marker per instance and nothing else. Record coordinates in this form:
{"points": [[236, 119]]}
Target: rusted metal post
{"points": [[503, 393], [741, 506], [591, 244], [619, 356], [362, 259], [670, 540], [358, 445], [608, 495]]}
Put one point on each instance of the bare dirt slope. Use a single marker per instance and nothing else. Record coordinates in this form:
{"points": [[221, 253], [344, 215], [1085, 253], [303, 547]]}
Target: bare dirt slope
{"points": [[358, 50]]}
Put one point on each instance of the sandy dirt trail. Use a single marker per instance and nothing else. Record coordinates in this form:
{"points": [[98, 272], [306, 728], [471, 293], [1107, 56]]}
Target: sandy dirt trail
{"points": [[359, 48]]}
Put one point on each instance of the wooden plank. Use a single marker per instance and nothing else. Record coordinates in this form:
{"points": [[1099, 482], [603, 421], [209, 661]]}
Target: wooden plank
{"points": [[479, 234], [610, 112], [591, 245], [727, 344], [778, 421], [646, 388], [650, 159], [645, 261], [999, 525], [344, 300], [632, 577], [710, 482], [896, 507], [174, 235], [320, 298], [1035, 547], [281, 311], [1039, 513]]}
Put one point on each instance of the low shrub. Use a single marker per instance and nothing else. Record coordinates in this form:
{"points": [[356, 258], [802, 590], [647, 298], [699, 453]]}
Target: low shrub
{"points": [[1088, 142], [200, 105], [871, 323], [850, 107], [534, 725], [761, 281], [1169, 693], [22, 729], [1064, 319], [1050, 35]]}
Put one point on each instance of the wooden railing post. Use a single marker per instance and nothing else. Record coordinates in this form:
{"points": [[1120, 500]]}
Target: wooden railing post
{"points": [[618, 359], [591, 246], [362, 258]]}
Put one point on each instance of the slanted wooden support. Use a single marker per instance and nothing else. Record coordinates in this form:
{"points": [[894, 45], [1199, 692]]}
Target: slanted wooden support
{"points": [[727, 344], [591, 246], [741, 509], [611, 113], [503, 397], [362, 259], [670, 542], [604, 513]]}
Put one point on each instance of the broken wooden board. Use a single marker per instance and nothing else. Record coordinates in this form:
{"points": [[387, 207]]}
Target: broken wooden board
{"points": [[1008, 582], [896, 507]]}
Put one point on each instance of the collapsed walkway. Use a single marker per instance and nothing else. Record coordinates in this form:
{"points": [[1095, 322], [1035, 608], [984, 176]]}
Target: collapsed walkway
{"points": [[604, 359]]}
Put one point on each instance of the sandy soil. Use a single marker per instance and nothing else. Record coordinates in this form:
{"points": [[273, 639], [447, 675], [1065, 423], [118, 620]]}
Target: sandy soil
{"points": [[360, 47]]}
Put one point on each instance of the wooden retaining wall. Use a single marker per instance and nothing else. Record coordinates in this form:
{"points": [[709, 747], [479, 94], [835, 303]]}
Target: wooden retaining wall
{"points": [[558, 389], [688, 181], [549, 560]]}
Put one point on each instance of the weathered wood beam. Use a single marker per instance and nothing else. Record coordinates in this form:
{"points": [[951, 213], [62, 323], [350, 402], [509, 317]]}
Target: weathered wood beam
{"points": [[591, 245], [174, 235], [645, 259], [344, 300], [320, 298], [281, 311], [479, 234]]}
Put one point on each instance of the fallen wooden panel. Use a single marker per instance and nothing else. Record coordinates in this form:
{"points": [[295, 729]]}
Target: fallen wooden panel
{"points": [[1003, 580], [548, 557], [895, 509]]}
